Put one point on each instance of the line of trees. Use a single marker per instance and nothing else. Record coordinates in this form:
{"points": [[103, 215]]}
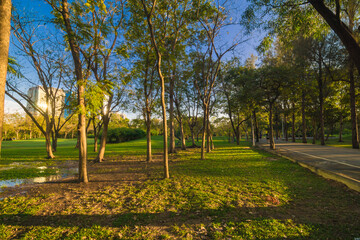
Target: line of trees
{"points": [[166, 58]]}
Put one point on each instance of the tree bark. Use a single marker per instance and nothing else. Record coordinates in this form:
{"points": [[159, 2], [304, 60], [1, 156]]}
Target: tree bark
{"points": [[286, 132], [314, 132], [171, 120], [354, 123], [303, 117], [203, 137], [162, 81], [342, 31], [293, 124], [271, 137], [253, 131], [5, 17], [183, 140], [256, 126], [83, 175], [101, 154], [341, 128], [48, 140], [148, 140]]}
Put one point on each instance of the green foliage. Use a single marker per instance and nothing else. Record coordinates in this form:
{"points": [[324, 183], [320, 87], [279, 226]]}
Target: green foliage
{"points": [[117, 135]]}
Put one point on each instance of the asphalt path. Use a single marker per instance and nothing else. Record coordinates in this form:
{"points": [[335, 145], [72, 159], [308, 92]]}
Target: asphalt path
{"points": [[342, 161]]}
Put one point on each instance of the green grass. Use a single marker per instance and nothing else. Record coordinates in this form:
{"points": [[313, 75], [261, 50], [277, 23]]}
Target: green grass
{"points": [[334, 142], [34, 150], [236, 193]]}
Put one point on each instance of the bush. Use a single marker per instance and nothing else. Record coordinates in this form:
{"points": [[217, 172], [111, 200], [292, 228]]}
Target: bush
{"points": [[117, 135]]}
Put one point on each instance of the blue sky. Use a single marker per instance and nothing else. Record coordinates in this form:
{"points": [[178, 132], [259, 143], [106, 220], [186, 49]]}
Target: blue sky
{"points": [[41, 10]]}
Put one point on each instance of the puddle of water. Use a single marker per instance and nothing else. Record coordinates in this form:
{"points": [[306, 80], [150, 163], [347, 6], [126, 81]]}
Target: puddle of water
{"points": [[62, 173]]}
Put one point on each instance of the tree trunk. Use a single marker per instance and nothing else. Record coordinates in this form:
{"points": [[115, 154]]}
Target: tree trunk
{"points": [[75, 51], [212, 143], [237, 135], [208, 147], [321, 100], [253, 131], [171, 113], [314, 132], [286, 132], [341, 128], [256, 127], [183, 140], [354, 123], [48, 141], [5, 16], [192, 137], [342, 31], [203, 138], [101, 154], [303, 117], [55, 141], [293, 124], [95, 142], [271, 136], [148, 140]]}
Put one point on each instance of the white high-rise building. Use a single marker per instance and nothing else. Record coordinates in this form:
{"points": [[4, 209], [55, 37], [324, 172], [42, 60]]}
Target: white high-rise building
{"points": [[38, 96]]}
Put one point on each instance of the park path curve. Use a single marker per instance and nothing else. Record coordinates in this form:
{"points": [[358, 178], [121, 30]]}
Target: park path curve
{"points": [[341, 164]]}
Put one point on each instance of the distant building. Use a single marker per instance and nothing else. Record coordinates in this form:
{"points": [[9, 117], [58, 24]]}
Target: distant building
{"points": [[37, 96]]}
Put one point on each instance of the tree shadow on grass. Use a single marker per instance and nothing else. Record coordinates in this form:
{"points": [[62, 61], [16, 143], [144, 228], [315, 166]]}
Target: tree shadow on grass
{"points": [[241, 220]]}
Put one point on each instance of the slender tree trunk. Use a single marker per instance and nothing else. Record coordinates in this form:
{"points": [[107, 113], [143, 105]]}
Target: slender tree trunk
{"points": [[171, 113], [293, 124], [271, 136], [192, 136], [5, 16], [354, 123], [253, 131], [256, 126], [183, 140], [286, 130], [101, 154], [212, 142], [148, 140], [276, 124], [48, 141], [314, 132], [204, 134], [321, 101], [303, 117], [208, 147], [75, 51], [341, 128], [65, 135], [95, 142]]}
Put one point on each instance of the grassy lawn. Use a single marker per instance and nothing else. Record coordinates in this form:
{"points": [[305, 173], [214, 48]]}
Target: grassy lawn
{"points": [[333, 142], [236, 193]]}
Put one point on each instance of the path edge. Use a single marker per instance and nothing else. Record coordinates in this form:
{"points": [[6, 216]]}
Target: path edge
{"points": [[349, 182]]}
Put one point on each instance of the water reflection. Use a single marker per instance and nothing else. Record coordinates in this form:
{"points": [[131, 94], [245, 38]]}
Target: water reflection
{"points": [[61, 173]]}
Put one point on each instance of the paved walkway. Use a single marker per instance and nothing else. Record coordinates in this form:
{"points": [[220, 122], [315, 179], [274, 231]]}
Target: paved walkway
{"points": [[341, 164]]}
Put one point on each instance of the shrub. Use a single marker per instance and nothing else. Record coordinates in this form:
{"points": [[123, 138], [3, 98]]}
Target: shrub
{"points": [[117, 135]]}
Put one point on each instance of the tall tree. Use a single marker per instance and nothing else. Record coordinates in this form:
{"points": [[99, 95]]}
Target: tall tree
{"points": [[61, 11], [5, 17]]}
